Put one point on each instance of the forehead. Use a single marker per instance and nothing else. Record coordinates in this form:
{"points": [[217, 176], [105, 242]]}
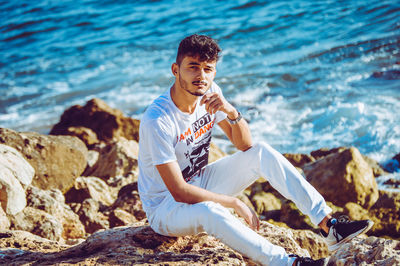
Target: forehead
{"points": [[195, 60]]}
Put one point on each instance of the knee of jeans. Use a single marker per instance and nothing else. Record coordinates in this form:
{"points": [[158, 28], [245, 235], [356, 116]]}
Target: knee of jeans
{"points": [[209, 210]]}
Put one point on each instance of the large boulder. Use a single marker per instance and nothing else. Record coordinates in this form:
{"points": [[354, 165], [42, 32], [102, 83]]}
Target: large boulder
{"points": [[107, 124], [343, 177], [369, 251], [15, 175], [57, 160], [115, 159], [53, 203]]}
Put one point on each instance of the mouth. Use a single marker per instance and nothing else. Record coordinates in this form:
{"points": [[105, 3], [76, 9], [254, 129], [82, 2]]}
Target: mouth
{"points": [[199, 84]]}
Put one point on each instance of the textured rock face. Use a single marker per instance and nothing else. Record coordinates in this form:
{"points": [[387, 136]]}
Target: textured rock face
{"points": [[38, 222], [15, 175], [89, 187], [57, 160], [4, 221], [140, 245], [386, 214], [265, 202], [299, 160], [115, 159], [344, 177], [107, 123], [370, 251], [128, 200], [91, 217], [53, 203]]}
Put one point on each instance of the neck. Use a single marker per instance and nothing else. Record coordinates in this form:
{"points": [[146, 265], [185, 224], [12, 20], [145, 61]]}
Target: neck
{"points": [[185, 101]]}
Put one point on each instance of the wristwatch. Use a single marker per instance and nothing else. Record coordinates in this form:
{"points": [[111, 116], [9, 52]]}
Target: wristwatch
{"points": [[235, 121]]}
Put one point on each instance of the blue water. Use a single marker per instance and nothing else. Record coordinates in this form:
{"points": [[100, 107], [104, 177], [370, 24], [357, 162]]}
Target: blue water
{"points": [[306, 74]]}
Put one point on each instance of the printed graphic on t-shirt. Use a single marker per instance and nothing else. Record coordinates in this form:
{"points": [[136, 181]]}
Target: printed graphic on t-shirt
{"points": [[198, 144]]}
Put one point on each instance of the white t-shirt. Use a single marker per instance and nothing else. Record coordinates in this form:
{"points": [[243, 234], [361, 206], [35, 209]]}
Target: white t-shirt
{"points": [[167, 134]]}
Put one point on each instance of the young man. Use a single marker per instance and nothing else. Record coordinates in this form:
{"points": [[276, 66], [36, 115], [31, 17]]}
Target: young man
{"points": [[183, 195]]}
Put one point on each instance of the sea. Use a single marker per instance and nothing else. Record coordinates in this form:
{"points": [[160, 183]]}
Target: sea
{"points": [[304, 74]]}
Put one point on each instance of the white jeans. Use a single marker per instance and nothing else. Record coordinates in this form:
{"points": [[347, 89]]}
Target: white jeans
{"points": [[230, 175]]}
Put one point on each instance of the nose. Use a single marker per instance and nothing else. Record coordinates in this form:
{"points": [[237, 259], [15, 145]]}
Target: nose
{"points": [[201, 75]]}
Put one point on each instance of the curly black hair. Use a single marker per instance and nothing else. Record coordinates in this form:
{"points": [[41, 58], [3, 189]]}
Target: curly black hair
{"points": [[198, 45]]}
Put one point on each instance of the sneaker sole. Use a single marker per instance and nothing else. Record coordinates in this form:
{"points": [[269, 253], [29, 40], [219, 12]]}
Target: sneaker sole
{"points": [[336, 246]]}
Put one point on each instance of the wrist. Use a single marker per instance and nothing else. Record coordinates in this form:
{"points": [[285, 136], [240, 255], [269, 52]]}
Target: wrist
{"points": [[235, 120], [232, 115]]}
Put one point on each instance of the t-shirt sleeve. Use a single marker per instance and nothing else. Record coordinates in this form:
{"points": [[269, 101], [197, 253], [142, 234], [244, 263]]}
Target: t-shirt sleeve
{"points": [[159, 142], [219, 116]]}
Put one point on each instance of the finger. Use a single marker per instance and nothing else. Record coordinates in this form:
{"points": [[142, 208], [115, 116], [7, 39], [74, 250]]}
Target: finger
{"points": [[214, 106], [210, 105], [204, 99], [258, 223]]}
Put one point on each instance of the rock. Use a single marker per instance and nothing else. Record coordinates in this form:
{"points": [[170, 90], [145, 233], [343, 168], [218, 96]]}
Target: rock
{"points": [[53, 202], [89, 187], [344, 177], [57, 160], [369, 251], [294, 218], [91, 217], [4, 222], [18, 243], [376, 168], [321, 153], [107, 123], [37, 222], [119, 217], [355, 211], [388, 199], [312, 242], [129, 201], [15, 175], [299, 160], [14, 162], [115, 159], [392, 182], [397, 158], [12, 195], [85, 134], [265, 202], [139, 244], [386, 215]]}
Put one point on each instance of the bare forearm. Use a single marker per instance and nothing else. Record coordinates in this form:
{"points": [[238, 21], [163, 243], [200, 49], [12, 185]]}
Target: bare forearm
{"points": [[241, 136], [191, 194]]}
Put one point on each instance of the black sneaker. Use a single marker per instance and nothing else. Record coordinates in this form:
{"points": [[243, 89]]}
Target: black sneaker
{"points": [[342, 230], [304, 261]]}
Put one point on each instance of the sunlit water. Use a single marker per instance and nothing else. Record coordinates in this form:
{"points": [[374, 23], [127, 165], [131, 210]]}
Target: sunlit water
{"points": [[305, 74]]}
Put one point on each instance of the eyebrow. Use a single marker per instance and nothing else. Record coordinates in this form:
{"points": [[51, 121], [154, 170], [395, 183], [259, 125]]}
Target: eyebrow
{"points": [[197, 64]]}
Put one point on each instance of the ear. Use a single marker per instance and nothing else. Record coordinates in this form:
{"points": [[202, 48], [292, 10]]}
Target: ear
{"points": [[175, 69]]}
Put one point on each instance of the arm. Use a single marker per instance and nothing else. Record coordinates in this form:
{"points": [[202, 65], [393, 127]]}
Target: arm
{"points": [[187, 193], [239, 133]]}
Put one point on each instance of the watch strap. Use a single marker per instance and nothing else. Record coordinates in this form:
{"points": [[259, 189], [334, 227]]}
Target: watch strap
{"points": [[235, 121]]}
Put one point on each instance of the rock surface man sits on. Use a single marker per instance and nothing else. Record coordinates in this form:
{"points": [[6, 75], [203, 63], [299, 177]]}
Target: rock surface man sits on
{"points": [[183, 195]]}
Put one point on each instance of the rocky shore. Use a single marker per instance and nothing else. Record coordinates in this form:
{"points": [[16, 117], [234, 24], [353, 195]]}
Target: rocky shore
{"points": [[71, 198]]}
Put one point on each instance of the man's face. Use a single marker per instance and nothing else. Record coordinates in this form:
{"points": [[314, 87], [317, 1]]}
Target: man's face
{"points": [[195, 76]]}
